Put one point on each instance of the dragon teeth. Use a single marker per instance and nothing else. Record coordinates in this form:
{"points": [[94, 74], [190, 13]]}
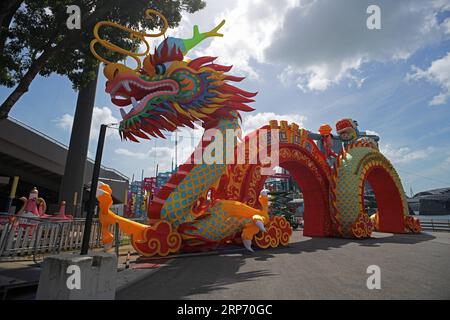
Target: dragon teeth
{"points": [[126, 85], [134, 102]]}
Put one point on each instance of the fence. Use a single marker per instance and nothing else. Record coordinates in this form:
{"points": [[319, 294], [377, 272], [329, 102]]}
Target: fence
{"points": [[31, 236], [435, 225]]}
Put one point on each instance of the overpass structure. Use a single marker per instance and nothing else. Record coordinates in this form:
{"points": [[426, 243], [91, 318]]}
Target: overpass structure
{"points": [[39, 161]]}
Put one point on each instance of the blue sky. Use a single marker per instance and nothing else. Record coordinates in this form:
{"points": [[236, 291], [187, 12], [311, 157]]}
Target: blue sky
{"points": [[311, 62]]}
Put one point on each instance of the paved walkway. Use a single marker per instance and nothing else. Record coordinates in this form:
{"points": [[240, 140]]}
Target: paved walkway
{"points": [[412, 267], [19, 277]]}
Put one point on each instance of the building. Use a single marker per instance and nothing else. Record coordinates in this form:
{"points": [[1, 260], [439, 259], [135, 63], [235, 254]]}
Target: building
{"points": [[39, 162], [431, 202], [162, 179]]}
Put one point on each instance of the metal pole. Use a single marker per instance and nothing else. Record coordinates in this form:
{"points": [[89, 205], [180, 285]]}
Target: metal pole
{"points": [[156, 175], [117, 239], [12, 194], [141, 200], [176, 150], [75, 199], [92, 200]]}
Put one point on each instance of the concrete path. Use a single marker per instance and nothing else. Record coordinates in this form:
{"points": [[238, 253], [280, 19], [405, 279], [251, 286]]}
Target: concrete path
{"points": [[412, 267], [19, 277]]}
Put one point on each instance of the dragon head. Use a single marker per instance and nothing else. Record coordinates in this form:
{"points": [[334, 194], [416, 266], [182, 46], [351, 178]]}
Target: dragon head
{"points": [[170, 91]]}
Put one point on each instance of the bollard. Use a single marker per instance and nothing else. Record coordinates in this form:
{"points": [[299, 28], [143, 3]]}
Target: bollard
{"points": [[127, 261], [78, 277]]}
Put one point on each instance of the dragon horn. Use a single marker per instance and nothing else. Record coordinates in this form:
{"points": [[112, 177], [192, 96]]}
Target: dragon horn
{"points": [[199, 37]]}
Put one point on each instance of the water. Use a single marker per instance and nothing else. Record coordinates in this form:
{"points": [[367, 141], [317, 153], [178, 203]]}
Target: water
{"points": [[434, 218]]}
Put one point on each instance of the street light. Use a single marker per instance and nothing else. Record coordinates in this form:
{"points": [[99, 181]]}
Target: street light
{"points": [[92, 195]]}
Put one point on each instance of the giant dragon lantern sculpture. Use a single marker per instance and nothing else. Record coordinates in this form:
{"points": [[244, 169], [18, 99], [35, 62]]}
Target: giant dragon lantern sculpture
{"points": [[167, 91], [206, 205]]}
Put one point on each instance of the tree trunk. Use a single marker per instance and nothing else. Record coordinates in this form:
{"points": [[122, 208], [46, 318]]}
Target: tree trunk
{"points": [[73, 179], [26, 80]]}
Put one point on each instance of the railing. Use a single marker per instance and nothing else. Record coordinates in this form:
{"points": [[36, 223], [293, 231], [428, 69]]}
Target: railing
{"points": [[435, 225], [32, 237]]}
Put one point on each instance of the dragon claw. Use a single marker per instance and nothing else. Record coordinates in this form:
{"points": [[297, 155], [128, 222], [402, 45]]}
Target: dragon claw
{"points": [[260, 225], [248, 245]]}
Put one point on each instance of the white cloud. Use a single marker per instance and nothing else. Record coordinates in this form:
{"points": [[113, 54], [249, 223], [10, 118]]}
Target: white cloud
{"points": [[65, 122], [254, 121], [443, 5], [163, 153], [438, 73], [447, 161], [99, 116], [249, 29], [446, 25], [318, 43], [323, 42], [130, 154], [405, 155], [161, 156], [372, 133]]}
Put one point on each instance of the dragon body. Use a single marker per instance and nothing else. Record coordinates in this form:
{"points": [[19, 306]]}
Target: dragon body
{"points": [[168, 92], [201, 221], [204, 205]]}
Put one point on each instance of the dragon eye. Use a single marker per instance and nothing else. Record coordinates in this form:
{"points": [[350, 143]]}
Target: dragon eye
{"points": [[160, 69]]}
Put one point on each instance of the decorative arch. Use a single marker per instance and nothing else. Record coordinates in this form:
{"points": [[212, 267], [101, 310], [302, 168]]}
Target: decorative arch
{"points": [[300, 156], [358, 164], [391, 209]]}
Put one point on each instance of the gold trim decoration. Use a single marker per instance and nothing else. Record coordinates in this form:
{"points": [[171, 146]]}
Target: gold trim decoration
{"points": [[133, 35]]}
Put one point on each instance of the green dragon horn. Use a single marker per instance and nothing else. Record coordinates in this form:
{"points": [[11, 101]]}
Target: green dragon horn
{"points": [[199, 37]]}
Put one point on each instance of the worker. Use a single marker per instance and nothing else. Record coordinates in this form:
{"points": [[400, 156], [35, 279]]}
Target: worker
{"points": [[326, 143]]}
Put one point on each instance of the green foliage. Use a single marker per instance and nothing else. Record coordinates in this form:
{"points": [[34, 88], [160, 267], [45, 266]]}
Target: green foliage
{"points": [[40, 25]]}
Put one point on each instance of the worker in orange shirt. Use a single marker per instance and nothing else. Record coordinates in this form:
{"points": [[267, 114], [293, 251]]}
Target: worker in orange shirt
{"points": [[326, 143]]}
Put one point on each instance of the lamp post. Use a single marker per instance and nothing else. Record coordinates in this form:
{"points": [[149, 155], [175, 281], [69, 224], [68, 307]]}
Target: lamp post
{"points": [[12, 194], [92, 195]]}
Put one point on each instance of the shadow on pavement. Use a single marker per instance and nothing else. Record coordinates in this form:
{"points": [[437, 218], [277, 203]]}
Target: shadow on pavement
{"points": [[200, 275], [184, 278], [317, 244]]}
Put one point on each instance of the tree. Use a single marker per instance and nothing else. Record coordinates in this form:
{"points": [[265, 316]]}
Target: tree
{"points": [[7, 10], [34, 37]]}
